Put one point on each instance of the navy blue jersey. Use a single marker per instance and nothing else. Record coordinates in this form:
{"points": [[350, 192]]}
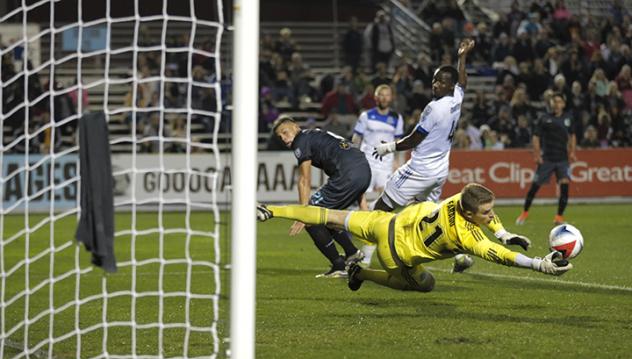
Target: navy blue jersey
{"points": [[327, 151], [554, 133]]}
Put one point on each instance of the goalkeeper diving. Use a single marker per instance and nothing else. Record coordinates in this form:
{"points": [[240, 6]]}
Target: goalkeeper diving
{"points": [[422, 233]]}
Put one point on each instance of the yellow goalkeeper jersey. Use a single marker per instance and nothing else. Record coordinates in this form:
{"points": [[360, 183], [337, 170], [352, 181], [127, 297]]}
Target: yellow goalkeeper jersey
{"points": [[427, 231]]}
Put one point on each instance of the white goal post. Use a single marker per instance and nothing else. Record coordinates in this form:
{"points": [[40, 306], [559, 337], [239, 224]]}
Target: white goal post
{"points": [[154, 69]]}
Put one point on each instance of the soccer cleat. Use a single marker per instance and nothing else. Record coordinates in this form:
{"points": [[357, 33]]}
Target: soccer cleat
{"points": [[354, 258], [522, 218], [558, 220], [461, 263], [333, 273], [353, 281], [263, 213]]}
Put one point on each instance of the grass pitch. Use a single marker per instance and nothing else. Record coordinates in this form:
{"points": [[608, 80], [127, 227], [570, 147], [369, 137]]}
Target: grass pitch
{"points": [[491, 311]]}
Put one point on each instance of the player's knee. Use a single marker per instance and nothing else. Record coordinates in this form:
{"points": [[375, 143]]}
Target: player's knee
{"points": [[426, 282], [564, 181]]}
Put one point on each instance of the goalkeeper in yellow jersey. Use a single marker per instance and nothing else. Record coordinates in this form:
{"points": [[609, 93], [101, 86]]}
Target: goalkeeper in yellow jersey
{"points": [[422, 233]]}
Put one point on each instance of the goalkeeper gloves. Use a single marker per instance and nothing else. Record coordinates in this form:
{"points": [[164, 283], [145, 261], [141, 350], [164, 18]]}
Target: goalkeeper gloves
{"points": [[263, 213], [508, 238], [552, 264], [383, 149]]}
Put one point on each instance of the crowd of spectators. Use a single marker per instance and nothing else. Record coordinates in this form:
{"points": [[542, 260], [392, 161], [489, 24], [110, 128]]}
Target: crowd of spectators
{"points": [[533, 50]]}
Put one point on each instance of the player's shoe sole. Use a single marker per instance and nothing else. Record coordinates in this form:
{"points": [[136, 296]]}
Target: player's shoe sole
{"points": [[352, 281], [354, 258], [334, 273]]}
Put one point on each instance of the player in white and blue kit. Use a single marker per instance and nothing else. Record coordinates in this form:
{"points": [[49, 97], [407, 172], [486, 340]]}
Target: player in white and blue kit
{"points": [[375, 126], [423, 176]]}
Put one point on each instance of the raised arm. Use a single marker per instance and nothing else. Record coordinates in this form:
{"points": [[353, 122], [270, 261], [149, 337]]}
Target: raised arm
{"points": [[464, 48]]}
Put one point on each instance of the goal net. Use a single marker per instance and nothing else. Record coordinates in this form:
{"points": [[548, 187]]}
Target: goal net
{"points": [[153, 69]]}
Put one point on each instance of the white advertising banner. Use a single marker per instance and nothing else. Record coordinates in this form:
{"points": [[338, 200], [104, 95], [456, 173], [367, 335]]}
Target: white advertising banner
{"points": [[153, 178]]}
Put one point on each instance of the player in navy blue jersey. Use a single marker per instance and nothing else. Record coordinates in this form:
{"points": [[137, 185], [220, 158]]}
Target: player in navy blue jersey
{"points": [[349, 177], [554, 143]]}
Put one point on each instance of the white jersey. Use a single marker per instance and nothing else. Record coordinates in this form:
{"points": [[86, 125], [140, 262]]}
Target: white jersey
{"points": [[375, 128], [438, 122]]}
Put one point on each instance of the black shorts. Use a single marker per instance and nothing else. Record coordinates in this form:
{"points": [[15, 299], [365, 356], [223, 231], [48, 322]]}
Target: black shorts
{"points": [[343, 190], [546, 168]]}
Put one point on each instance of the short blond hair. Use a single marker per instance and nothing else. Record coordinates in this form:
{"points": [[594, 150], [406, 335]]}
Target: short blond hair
{"points": [[382, 87], [473, 195]]}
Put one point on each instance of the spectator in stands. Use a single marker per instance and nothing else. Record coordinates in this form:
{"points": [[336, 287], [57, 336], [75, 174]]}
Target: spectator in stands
{"points": [[300, 77], [521, 135], [484, 44], [604, 130], [574, 68], [501, 49], [590, 138], [520, 105], [461, 140], [510, 68], [618, 11], [422, 69], [530, 26], [367, 100], [179, 130], [333, 124], [541, 7], [419, 98], [480, 110], [437, 41], [492, 141], [577, 99], [353, 82], [542, 43], [624, 85], [352, 45], [339, 100], [501, 26], [402, 86], [502, 122], [282, 90], [285, 45], [74, 97], [552, 61], [268, 112], [560, 85], [601, 83], [538, 82], [382, 40], [381, 76]]}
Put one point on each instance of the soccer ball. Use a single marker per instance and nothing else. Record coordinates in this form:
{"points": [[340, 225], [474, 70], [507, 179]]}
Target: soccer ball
{"points": [[566, 239]]}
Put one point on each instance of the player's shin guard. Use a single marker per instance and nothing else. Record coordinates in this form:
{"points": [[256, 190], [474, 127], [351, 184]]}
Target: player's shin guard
{"points": [[561, 205], [306, 214], [325, 244], [530, 196]]}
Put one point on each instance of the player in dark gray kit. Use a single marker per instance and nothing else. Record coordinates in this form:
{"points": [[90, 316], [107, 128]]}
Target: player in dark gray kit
{"points": [[554, 143], [349, 177]]}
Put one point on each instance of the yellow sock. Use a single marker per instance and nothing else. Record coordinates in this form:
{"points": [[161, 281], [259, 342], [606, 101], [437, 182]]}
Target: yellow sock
{"points": [[305, 214]]}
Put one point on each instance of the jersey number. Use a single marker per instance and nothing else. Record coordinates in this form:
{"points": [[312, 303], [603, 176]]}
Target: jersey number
{"points": [[452, 131], [438, 231]]}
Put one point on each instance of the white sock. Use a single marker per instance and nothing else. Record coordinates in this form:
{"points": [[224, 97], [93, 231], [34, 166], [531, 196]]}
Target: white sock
{"points": [[368, 250]]}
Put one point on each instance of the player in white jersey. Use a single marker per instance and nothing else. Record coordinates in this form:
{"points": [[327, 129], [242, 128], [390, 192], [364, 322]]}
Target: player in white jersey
{"points": [[423, 176], [377, 125]]}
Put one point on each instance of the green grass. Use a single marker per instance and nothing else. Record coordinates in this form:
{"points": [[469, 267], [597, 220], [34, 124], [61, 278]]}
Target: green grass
{"points": [[489, 311]]}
